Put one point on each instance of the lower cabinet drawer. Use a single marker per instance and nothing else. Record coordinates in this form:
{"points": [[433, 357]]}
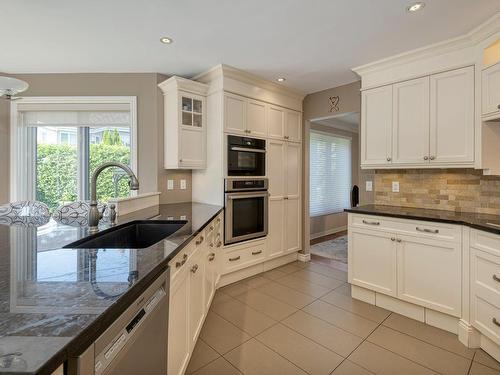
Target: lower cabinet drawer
{"points": [[485, 275], [486, 318], [243, 257]]}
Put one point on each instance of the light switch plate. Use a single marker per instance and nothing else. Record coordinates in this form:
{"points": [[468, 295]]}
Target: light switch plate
{"points": [[395, 186], [170, 184], [369, 185], [183, 185]]}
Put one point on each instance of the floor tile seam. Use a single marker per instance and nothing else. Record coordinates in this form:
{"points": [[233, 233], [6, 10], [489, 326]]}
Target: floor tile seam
{"points": [[352, 312], [330, 323], [268, 295], [317, 273], [205, 365], [425, 342], [234, 325], [307, 295], [312, 282], [357, 364], [328, 292]]}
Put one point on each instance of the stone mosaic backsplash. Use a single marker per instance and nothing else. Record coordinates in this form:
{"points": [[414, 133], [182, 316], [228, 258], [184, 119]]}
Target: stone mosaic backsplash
{"points": [[464, 190]]}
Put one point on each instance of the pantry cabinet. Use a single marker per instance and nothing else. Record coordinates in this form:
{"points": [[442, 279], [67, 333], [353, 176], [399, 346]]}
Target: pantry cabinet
{"points": [[256, 118], [424, 122], [292, 198], [491, 91], [184, 123]]}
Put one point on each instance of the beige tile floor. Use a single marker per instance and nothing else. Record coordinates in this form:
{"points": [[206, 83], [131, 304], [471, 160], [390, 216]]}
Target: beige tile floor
{"points": [[300, 319]]}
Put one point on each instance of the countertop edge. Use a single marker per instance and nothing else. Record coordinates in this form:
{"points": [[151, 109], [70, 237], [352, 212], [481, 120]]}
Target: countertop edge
{"points": [[78, 344]]}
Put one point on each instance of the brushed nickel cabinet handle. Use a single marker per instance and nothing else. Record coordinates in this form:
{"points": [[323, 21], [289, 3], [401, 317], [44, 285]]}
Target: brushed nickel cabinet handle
{"points": [[218, 220], [180, 160], [194, 268], [178, 264], [389, 158], [496, 278], [200, 241], [432, 157], [234, 259], [399, 240], [211, 257], [219, 244], [285, 197], [182, 262], [211, 227], [393, 239], [256, 252], [425, 230], [426, 157], [371, 222], [495, 322]]}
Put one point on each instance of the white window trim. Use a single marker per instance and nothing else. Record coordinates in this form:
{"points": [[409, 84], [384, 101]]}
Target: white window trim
{"points": [[312, 130], [18, 149]]}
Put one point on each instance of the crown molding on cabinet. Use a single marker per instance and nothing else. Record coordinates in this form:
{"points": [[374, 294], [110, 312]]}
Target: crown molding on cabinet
{"points": [[227, 78], [179, 83], [446, 55]]}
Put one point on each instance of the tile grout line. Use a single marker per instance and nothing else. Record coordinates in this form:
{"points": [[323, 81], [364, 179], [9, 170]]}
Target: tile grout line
{"points": [[471, 362]]}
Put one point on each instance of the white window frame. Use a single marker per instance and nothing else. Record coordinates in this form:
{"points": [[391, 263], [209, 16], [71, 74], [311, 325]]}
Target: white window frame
{"points": [[335, 136], [19, 150]]}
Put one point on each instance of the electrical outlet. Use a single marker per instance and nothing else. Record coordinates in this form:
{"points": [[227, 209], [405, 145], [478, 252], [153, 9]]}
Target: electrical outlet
{"points": [[170, 184], [369, 185], [183, 217], [170, 218], [183, 185], [395, 186]]}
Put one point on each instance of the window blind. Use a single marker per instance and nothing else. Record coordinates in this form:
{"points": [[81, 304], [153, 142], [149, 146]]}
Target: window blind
{"points": [[330, 173]]}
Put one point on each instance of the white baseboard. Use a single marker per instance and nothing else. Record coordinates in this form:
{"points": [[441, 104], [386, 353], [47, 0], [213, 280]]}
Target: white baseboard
{"points": [[303, 257], [327, 232]]}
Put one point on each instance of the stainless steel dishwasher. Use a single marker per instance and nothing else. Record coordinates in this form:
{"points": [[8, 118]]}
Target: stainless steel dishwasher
{"points": [[136, 343]]}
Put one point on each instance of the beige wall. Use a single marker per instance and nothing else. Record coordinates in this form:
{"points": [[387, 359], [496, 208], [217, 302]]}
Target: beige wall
{"points": [[151, 174]]}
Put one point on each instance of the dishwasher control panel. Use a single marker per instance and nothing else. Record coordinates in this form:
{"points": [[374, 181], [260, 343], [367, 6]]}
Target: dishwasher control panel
{"points": [[103, 359]]}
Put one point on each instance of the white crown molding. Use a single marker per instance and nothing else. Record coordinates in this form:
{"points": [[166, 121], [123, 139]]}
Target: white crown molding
{"points": [[472, 38], [179, 83], [226, 71]]}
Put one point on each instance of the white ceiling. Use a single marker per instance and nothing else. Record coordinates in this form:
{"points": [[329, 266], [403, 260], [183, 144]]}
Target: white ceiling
{"points": [[346, 121], [311, 43]]}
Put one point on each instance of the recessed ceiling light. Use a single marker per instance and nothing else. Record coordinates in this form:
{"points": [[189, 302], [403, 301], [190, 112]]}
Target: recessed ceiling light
{"points": [[166, 40], [281, 79], [415, 7]]}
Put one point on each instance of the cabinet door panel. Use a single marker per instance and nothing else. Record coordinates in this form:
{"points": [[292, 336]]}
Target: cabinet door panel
{"points": [[376, 126], [276, 167], [429, 274], [256, 118], [372, 260], [452, 116], [192, 147], [293, 170], [178, 330], [410, 137], [276, 122], [275, 237], [292, 224], [235, 114], [491, 89], [196, 268], [293, 126]]}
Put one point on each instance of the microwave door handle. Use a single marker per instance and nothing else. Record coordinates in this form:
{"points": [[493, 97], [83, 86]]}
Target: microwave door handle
{"points": [[256, 150]]}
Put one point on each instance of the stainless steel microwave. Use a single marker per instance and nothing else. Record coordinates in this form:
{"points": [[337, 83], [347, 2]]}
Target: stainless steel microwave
{"points": [[246, 157]]}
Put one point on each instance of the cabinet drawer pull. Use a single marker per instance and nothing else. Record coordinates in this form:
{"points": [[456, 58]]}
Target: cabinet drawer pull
{"points": [[211, 227], [393, 239], [496, 278], [234, 259], [425, 230], [371, 222], [495, 322], [498, 106], [426, 158], [219, 244], [399, 240], [200, 241], [256, 252], [181, 263], [389, 159], [194, 268], [218, 220], [211, 257], [178, 264], [432, 157]]}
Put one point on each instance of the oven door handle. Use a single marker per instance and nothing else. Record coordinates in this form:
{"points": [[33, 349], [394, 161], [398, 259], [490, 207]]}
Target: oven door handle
{"points": [[241, 195], [244, 149]]}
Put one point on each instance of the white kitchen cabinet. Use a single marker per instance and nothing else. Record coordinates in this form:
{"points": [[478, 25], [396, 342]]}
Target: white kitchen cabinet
{"points": [[276, 170], [276, 122], [292, 224], [256, 118], [184, 123], [372, 260], [293, 126], [235, 114], [491, 91], [210, 253], [410, 131], [178, 328], [196, 268], [376, 127], [276, 228], [452, 116], [429, 273], [292, 199]]}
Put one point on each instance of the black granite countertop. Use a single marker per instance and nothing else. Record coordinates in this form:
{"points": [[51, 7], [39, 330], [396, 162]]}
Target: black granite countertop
{"points": [[55, 301], [486, 222]]}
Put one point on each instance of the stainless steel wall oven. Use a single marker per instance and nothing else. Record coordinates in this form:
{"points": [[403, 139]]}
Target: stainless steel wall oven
{"points": [[246, 209]]}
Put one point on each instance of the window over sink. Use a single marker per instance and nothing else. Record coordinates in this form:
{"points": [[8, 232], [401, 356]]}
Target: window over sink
{"points": [[60, 141]]}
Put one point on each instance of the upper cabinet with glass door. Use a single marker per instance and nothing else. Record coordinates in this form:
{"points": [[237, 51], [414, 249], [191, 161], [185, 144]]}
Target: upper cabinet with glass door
{"points": [[185, 123]]}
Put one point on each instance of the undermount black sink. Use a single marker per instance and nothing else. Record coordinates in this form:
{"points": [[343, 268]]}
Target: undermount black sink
{"points": [[134, 235]]}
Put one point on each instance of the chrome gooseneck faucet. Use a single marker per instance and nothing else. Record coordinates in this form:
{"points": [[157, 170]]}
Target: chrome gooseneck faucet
{"points": [[94, 214]]}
